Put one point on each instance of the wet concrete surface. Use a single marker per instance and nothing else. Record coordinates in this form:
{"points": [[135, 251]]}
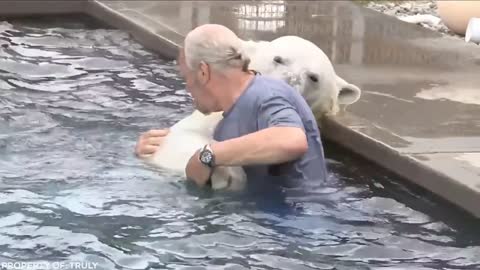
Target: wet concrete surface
{"points": [[419, 114]]}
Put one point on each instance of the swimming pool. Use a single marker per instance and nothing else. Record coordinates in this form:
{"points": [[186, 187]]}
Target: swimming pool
{"points": [[73, 100]]}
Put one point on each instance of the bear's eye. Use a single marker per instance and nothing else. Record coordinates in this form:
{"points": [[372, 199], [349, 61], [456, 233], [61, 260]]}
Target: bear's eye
{"points": [[278, 59], [313, 77]]}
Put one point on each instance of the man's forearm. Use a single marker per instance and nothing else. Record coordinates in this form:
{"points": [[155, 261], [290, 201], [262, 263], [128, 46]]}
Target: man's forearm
{"points": [[268, 146]]}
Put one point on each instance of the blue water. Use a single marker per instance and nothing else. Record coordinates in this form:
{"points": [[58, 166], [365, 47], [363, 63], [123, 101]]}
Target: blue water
{"points": [[73, 100]]}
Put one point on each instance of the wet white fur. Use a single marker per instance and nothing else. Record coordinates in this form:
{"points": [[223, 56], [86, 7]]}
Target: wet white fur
{"points": [[301, 60]]}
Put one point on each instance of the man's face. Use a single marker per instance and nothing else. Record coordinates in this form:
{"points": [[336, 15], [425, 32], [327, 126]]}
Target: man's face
{"points": [[195, 85]]}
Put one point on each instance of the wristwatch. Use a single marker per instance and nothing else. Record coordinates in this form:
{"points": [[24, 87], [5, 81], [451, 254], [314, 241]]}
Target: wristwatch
{"points": [[206, 156]]}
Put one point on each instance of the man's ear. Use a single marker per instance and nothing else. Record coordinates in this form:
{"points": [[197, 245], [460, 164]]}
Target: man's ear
{"points": [[204, 72]]}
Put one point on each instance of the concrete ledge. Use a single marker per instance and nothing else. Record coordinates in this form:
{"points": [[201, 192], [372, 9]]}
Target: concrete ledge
{"points": [[40, 7], [406, 166], [158, 37]]}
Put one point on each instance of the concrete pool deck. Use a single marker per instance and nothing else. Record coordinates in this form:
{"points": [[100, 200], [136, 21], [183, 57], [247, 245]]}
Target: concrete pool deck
{"points": [[419, 114]]}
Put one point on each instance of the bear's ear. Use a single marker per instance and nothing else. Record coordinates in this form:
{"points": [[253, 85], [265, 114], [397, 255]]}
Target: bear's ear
{"points": [[348, 94]]}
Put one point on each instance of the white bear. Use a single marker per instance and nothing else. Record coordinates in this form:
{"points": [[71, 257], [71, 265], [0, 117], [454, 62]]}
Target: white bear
{"points": [[293, 59], [303, 65], [187, 136]]}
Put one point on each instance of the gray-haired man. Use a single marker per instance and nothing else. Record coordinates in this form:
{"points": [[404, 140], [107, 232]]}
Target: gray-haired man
{"points": [[267, 128]]}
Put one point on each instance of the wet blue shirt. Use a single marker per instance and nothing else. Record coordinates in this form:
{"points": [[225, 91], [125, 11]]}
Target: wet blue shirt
{"points": [[267, 103]]}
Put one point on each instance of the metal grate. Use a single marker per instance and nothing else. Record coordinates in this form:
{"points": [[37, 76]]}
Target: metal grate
{"points": [[264, 16]]}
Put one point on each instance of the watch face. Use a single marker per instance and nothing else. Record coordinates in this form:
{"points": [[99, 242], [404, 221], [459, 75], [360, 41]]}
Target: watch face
{"points": [[206, 157]]}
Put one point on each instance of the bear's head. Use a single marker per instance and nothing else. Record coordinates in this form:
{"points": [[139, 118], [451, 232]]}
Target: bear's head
{"points": [[303, 65]]}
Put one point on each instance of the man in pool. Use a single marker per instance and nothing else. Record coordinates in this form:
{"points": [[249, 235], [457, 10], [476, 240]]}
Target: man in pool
{"points": [[268, 128]]}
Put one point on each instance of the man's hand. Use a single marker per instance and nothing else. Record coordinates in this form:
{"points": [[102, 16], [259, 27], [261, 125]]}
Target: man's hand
{"points": [[196, 171], [149, 141]]}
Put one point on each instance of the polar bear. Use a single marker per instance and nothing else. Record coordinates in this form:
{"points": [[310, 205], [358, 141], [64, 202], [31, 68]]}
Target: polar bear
{"points": [[187, 136], [303, 65], [293, 59]]}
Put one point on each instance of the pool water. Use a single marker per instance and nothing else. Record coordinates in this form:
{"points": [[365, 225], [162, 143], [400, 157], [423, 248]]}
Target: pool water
{"points": [[74, 99]]}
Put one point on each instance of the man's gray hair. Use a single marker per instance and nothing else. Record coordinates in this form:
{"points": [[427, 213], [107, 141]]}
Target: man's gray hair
{"points": [[219, 47]]}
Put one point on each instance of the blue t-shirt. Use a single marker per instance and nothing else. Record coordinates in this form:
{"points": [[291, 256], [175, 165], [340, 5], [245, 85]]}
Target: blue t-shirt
{"points": [[269, 102]]}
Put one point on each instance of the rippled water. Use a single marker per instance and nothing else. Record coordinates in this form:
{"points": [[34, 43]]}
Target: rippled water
{"points": [[73, 101]]}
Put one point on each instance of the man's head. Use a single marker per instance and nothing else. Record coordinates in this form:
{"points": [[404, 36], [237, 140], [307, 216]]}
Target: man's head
{"points": [[211, 55]]}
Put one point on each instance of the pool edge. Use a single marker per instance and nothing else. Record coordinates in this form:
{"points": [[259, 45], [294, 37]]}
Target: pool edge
{"points": [[404, 165], [156, 42], [31, 7]]}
